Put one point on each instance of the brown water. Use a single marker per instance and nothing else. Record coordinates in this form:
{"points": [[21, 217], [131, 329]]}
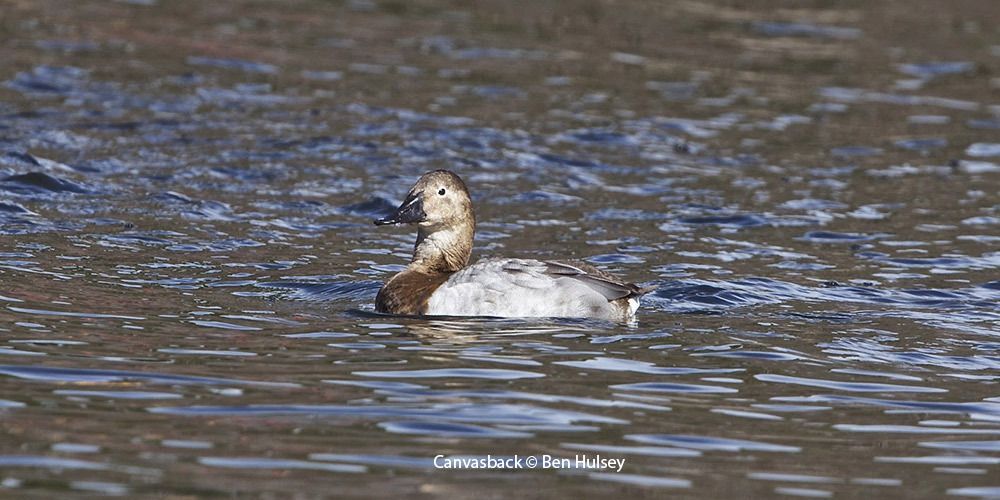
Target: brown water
{"points": [[187, 262]]}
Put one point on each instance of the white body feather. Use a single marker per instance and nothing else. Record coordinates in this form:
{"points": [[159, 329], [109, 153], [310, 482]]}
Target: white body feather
{"points": [[521, 288]]}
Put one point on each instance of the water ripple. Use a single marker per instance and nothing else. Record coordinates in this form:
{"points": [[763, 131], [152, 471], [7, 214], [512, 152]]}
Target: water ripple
{"points": [[844, 386], [476, 373], [277, 463], [474, 413], [709, 443], [90, 376], [445, 429]]}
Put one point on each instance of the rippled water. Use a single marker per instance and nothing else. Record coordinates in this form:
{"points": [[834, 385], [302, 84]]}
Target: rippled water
{"points": [[187, 263]]}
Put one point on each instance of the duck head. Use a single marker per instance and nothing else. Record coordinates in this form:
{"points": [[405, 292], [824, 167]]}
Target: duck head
{"points": [[440, 206]]}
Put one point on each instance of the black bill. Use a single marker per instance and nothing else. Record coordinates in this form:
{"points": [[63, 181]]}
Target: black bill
{"points": [[411, 211]]}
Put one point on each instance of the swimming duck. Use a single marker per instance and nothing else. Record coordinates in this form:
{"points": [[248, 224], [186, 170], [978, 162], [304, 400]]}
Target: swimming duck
{"points": [[439, 282]]}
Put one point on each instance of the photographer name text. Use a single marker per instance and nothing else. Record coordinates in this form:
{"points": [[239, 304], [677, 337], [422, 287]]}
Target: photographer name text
{"points": [[593, 462]]}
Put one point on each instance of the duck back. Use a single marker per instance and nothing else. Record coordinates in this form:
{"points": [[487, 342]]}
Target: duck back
{"points": [[531, 288]]}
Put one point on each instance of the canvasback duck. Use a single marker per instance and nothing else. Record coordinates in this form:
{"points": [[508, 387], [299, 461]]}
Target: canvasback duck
{"points": [[439, 281]]}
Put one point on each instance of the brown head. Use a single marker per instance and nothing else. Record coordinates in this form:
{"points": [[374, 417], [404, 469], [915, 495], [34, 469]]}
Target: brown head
{"points": [[440, 205]]}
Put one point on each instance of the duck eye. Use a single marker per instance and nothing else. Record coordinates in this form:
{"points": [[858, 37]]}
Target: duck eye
{"points": [[441, 192]]}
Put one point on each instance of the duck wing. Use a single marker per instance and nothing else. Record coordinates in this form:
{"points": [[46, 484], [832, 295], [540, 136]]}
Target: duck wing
{"points": [[602, 282]]}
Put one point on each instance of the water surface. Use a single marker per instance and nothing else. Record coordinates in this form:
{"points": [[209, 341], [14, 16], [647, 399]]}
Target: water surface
{"points": [[188, 265]]}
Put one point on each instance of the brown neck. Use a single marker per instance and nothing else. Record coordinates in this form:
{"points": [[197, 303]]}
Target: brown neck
{"points": [[443, 250]]}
